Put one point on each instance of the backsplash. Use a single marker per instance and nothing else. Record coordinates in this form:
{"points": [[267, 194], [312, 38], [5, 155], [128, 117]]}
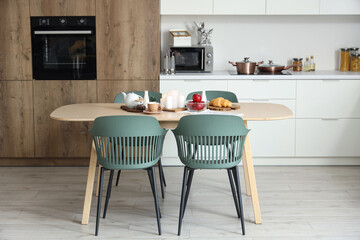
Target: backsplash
{"points": [[279, 38]]}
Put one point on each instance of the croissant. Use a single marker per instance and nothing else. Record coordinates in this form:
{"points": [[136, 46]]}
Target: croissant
{"points": [[220, 102]]}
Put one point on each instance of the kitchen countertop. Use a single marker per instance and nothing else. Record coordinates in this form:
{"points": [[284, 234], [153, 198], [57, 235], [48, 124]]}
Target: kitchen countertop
{"points": [[231, 75]]}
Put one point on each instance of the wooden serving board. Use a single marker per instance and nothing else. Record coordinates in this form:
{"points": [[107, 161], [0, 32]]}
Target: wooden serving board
{"points": [[174, 109], [233, 107], [130, 109]]}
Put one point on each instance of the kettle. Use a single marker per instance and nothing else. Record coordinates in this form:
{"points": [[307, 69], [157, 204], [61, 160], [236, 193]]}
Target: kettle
{"points": [[132, 99]]}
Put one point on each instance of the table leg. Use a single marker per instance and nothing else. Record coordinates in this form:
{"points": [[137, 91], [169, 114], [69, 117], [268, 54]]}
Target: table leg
{"points": [[98, 181], [250, 174], [89, 186]]}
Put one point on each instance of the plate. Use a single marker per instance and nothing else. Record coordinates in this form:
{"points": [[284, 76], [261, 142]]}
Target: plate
{"points": [[147, 112]]}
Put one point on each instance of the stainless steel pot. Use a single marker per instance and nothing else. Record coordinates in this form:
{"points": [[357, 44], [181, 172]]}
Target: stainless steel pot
{"points": [[245, 67], [272, 68]]}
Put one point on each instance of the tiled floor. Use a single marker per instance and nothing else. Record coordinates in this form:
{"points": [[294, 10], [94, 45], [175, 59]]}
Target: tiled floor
{"points": [[296, 203]]}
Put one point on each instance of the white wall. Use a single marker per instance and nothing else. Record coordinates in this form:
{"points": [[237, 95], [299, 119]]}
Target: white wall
{"points": [[279, 38]]}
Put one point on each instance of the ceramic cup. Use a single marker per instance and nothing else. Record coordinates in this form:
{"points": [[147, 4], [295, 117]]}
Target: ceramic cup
{"points": [[154, 107]]}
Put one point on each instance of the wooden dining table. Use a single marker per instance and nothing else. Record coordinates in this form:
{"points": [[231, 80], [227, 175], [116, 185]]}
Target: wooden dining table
{"points": [[88, 112]]}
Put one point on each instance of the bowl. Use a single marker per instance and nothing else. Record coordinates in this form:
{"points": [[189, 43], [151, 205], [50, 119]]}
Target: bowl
{"points": [[196, 106]]}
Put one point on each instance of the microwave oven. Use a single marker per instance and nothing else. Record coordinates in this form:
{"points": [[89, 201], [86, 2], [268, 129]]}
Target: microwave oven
{"points": [[194, 58]]}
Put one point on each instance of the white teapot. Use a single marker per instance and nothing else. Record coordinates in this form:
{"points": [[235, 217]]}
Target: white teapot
{"points": [[132, 99]]}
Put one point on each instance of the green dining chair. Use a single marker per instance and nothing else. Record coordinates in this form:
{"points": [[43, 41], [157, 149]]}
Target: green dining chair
{"points": [[211, 142], [210, 95], [127, 143], [156, 96]]}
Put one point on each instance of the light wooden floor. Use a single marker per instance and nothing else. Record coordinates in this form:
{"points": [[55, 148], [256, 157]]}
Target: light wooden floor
{"points": [[296, 203]]}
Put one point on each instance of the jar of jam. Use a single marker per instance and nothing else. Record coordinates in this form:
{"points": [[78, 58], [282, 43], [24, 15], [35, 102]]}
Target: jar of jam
{"points": [[297, 62], [344, 59], [355, 62]]}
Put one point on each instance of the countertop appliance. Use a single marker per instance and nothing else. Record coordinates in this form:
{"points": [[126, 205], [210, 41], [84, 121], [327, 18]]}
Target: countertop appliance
{"points": [[194, 58], [63, 48]]}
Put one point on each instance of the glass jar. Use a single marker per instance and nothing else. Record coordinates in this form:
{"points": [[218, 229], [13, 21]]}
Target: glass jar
{"points": [[344, 59], [355, 62], [298, 64], [352, 52]]}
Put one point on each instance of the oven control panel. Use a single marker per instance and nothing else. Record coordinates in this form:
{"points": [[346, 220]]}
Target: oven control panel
{"points": [[62, 21]]}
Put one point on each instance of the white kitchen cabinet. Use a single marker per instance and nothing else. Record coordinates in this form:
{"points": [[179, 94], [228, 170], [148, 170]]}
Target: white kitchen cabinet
{"points": [[273, 138], [333, 7], [327, 138], [239, 7], [187, 86], [292, 7], [263, 89], [186, 7], [328, 99]]}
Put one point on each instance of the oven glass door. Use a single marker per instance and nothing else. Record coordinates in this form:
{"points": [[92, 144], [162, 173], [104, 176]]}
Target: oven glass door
{"points": [[189, 59], [60, 55]]}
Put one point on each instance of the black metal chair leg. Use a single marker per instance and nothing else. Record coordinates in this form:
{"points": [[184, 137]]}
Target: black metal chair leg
{"points": [[162, 172], [152, 184], [233, 192], [188, 186], [238, 188], [117, 178], [108, 193], [151, 173], [161, 180], [182, 202], [99, 201]]}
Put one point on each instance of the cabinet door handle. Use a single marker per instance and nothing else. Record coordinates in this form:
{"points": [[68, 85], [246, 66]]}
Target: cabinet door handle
{"points": [[259, 99], [192, 80], [330, 119], [261, 80], [330, 80]]}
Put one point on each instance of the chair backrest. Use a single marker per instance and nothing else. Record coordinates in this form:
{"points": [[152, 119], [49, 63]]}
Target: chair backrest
{"points": [[120, 98], [127, 142], [210, 141], [210, 95]]}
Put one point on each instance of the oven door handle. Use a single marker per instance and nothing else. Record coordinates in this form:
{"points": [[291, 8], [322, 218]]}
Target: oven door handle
{"points": [[63, 32], [202, 59]]}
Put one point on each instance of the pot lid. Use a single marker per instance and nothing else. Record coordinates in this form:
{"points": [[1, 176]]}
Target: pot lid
{"points": [[246, 60], [270, 64]]}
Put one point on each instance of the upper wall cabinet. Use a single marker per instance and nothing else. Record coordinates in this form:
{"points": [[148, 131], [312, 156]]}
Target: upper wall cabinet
{"points": [[62, 7], [128, 39], [15, 42], [239, 7], [186, 7], [292, 7], [339, 7]]}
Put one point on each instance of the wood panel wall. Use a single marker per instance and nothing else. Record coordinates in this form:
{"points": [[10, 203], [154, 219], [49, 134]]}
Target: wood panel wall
{"points": [[62, 7], [128, 33], [16, 119], [15, 42], [56, 138]]}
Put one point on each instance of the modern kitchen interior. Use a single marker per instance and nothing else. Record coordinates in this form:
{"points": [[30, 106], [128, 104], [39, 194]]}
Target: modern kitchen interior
{"points": [[244, 114]]}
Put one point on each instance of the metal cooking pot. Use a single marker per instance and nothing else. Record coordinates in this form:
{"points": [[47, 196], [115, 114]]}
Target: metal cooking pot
{"points": [[245, 67], [272, 68]]}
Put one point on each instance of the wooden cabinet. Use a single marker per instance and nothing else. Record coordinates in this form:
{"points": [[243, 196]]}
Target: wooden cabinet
{"points": [[186, 7], [239, 7], [128, 39], [292, 7], [62, 7], [55, 138], [15, 41], [107, 90], [328, 99], [16, 119], [333, 7], [327, 137]]}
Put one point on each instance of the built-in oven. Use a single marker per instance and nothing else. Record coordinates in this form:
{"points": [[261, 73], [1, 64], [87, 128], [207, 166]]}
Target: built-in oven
{"points": [[195, 58], [63, 48]]}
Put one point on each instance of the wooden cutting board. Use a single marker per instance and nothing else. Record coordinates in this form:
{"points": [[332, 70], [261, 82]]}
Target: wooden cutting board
{"points": [[233, 107], [174, 109]]}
